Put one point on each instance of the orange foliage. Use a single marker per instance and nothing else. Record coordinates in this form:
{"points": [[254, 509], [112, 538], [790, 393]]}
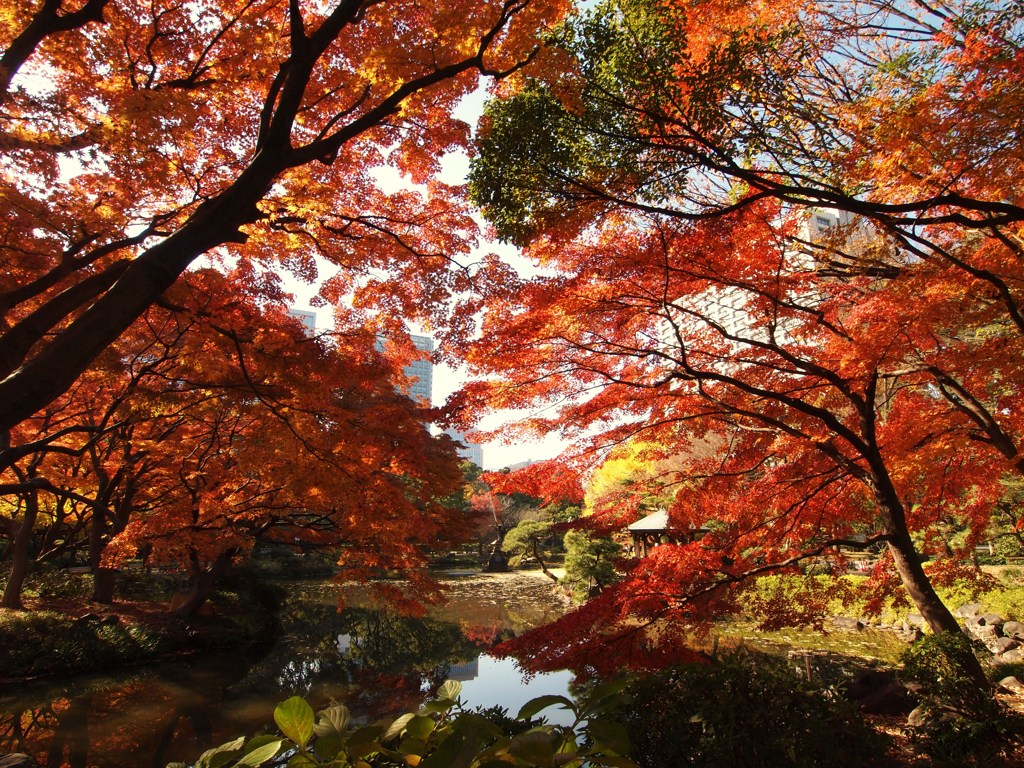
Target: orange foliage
{"points": [[862, 382], [137, 139], [215, 422]]}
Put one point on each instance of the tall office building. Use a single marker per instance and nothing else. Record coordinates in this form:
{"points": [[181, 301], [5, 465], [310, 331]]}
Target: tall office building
{"points": [[727, 308], [419, 372], [471, 452], [307, 317]]}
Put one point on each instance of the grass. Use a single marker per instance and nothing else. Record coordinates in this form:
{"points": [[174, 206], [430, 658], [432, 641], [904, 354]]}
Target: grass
{"points": [[65, 634], [43, 642], [1004, 596], [823, 650]]}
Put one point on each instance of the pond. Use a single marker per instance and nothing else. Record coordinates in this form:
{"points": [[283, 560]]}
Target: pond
{"points": [[376, 662]]}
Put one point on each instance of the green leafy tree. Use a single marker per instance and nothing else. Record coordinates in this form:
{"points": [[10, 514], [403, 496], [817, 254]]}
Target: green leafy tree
{"points": [[589, 563], [531, 540]]}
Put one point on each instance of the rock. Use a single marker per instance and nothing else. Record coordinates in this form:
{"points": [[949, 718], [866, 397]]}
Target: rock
{"points": [[983, 632], [1011, 684], [17, 760], [990, 620], [1003, 644], [1010, 657], [866, 682], [918, 716], [847, 624], [916, 620], [893, 699], [911, 635], [1014, 629], [968, 611], [879, 693]]}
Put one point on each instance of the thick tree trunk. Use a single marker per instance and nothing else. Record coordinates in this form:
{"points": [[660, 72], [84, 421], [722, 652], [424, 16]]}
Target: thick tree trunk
{"points": [[103, 579], [204, 580], [919, 588], [916, 582], [56, 366], [104, 584], [20, 558]]}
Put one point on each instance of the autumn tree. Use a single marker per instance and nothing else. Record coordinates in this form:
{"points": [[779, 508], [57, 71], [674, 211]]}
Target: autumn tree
{"points": [[892, 112], [138, 139], [818, 449], [858, 374], [214, 423]]}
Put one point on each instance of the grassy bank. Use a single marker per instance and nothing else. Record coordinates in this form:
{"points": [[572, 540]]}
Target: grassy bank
{"points": [[63, 634], [1001, 592]]}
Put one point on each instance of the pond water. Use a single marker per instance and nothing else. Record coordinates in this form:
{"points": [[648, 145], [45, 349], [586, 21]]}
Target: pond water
{"points": [[376, 662]]}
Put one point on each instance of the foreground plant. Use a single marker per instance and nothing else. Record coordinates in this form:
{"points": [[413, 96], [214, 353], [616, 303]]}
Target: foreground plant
{"points": [[956, 723], [441, 734]]}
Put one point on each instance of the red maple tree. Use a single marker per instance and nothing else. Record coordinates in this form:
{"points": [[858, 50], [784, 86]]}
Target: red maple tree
{"points": [[761, 224]]}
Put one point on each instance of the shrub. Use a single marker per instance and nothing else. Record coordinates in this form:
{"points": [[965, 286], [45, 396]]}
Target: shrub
{"points": [[50, 583], [149, 585], [589, 563], [43, 642], [938, 663], [961, 724], [745, 713]]}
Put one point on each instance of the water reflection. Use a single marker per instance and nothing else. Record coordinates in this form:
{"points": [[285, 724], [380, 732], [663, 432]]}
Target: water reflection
{"points": [[375, 661]]}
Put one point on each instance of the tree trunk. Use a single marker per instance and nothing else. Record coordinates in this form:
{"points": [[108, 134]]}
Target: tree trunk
{"points": [[919, 588], [20, 554], [543, 567], [204, 580], [916, 582], [104, 583], [103, 579]]}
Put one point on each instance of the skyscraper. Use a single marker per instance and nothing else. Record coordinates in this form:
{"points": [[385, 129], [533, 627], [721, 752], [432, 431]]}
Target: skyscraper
{"points": [[472, 451], [421, 371]]}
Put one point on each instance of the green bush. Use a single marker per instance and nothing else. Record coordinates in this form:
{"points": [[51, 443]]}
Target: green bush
{"points": [[278, 562], [50, 583], [998, 671], [43, 642], [960, 724], [745, 713], [149, 586], [939, 664], [589, 563]]}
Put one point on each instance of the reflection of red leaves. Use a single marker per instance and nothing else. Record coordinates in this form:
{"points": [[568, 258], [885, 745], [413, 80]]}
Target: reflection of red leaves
{"points": [[380, 695], [597, 639], [400, 599], [482, 635], [635, 624]]}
